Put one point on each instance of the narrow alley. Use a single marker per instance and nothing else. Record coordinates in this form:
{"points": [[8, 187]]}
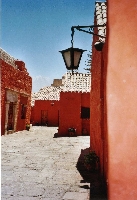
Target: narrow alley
{"points": [[36, 165]]}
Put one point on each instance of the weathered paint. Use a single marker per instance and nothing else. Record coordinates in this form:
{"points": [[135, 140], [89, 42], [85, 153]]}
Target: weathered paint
{"points": [[19, 82]]}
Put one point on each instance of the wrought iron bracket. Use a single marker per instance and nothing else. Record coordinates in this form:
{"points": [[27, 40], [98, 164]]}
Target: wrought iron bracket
{"points": [[82, 28]]}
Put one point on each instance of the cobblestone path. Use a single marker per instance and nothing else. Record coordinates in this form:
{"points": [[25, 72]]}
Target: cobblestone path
{"points": [[35, 165]]}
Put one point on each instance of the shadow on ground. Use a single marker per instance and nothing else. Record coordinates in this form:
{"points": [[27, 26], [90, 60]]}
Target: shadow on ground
{"points": [[97, 185]]}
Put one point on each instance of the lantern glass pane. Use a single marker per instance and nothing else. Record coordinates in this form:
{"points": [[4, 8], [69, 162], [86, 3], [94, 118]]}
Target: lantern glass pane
{"points": [[77, 56], [67, 58]]}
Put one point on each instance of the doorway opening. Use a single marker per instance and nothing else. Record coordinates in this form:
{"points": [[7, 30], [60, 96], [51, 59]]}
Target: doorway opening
{"points": [[44, 117], [10, 124]]}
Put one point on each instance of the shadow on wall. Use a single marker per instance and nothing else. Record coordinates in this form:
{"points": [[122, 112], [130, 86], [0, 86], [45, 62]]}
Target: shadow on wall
{"points": [[97, 186]]}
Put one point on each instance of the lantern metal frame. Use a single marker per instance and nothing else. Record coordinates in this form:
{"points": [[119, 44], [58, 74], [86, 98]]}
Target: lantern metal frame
{"points": [[72, 51]]}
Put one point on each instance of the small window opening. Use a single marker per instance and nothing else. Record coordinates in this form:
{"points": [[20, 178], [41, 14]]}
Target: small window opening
{"points": [[85, 113]]}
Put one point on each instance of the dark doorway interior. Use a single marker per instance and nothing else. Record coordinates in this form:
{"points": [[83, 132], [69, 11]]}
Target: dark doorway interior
{"points": [[10, 125]]}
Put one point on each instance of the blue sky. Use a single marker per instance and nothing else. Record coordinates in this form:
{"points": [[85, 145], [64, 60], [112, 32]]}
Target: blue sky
{"points": [[34, 31]]}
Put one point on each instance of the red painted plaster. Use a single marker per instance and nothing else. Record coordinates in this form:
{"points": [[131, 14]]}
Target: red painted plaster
{"points": [[114, 120], [98, 137], [21, 123], [70, 112], [121, 99], [19, 81], [52, 108], [65, 113]]}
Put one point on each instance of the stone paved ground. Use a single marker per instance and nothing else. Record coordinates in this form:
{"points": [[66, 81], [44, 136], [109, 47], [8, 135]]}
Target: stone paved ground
{"points": [[35, 165]]}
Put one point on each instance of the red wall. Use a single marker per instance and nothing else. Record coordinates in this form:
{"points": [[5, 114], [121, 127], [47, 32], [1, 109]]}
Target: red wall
{"points": [[21, 123], [121, 97], [65, 113], [98, 138], [113, 101], [70, 112], [18, 81], [52, 108]]}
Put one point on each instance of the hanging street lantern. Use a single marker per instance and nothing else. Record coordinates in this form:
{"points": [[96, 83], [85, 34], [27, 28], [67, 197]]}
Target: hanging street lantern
{"points": [[72, 57]]}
